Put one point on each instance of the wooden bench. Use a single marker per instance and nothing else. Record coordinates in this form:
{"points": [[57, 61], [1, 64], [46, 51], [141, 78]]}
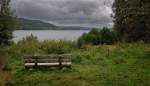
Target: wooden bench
{"points": [[38, 61]]}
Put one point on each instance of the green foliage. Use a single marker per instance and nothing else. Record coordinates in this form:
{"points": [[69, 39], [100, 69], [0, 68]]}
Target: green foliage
{"points": [[57, 47], [96, 37], [31, 45], [107, 36], [131, 20], [126, 65], [7, 23], [3, 56]]}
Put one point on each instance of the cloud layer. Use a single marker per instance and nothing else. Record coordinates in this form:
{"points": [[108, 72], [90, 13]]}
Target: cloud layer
{"points": [[65, 12]]}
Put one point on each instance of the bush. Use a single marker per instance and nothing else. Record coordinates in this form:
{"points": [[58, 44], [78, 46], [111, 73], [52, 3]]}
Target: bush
{"points": [[57, 47], [107, 36], [96, 37], [29, 45]]}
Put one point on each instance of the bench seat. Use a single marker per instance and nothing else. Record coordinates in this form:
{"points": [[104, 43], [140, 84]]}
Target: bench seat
{"points": [[47, 64]]}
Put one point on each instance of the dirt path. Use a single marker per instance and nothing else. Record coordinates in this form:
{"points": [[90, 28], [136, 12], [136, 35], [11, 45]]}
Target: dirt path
{"points": [[4, 76]]}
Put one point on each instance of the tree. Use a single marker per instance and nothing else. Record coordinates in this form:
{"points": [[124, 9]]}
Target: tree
{"points": [[96, 37], [132, 20], [7, 22], [107, 36]]}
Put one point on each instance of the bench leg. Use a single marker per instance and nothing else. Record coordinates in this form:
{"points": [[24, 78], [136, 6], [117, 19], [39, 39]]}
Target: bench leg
{"points": [[60, 67], [69, 67]]}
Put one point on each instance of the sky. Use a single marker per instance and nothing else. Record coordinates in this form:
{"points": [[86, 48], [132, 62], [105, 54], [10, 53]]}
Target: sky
{"points": [[94, 13]]}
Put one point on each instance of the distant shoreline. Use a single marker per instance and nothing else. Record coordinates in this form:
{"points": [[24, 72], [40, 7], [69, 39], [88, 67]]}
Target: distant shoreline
{"points": [[49, 29], [27, 24]]}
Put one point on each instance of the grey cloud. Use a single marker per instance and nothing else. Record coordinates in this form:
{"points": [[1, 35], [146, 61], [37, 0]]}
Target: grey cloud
{"points": [[65, 11]]}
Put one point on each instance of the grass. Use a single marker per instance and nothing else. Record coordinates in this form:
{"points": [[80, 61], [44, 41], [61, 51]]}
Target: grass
{"points": [[5, 78], [126, 65]]}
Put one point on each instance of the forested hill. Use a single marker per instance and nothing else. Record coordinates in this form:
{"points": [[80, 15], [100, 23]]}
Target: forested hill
{"points": [[27, 24]]}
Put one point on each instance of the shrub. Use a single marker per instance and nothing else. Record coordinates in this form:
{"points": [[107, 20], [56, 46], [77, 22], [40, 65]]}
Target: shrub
{"points": [[57, 47], [95, 37], [29, 45], [107, 36]]}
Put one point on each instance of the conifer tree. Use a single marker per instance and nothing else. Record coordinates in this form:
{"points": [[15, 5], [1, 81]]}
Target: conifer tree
{"points": [[7, 22], [132, 20]]}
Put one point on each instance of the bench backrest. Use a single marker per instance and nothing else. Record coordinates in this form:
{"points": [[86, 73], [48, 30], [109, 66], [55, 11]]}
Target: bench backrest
{"points": [[47, 59]]}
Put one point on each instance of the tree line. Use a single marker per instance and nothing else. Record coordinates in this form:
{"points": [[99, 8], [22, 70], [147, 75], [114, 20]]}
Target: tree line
{"points": [[131, 24], [98, 36]]}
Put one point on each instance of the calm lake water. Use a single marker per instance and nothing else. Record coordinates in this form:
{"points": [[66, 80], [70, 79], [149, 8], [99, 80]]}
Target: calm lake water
{"points": [[49, 34]]}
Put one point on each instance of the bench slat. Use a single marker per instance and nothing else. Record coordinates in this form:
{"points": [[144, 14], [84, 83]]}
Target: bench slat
{"points": [[47, 64], [47, 60]]}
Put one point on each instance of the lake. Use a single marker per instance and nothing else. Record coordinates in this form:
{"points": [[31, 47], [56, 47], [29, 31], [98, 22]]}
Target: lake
{"points": [[49, 34]]}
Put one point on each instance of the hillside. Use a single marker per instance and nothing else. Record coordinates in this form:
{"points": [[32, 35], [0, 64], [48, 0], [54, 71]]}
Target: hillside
{"points": [[27, 24], [73, 28]]}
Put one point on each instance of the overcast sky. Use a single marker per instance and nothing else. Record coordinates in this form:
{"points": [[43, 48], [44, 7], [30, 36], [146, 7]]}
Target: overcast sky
{"points": [[66, 12]]}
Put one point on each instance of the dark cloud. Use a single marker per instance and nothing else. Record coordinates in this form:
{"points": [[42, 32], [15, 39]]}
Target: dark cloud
{"points": [[66, 11]]}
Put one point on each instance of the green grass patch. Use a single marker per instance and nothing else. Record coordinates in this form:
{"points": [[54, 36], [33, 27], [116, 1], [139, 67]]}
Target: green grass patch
{"points": [[122, 65]]}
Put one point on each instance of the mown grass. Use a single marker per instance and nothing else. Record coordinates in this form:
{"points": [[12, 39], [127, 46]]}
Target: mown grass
{"points": [[124, 65]]}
